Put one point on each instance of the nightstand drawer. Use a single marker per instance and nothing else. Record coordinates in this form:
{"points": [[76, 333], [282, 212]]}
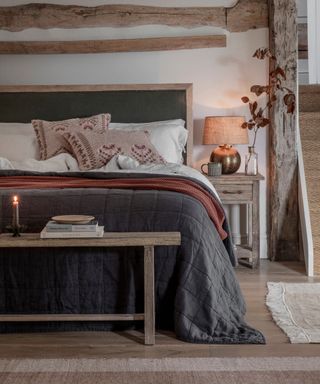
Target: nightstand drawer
{"points": [[235, 192]]}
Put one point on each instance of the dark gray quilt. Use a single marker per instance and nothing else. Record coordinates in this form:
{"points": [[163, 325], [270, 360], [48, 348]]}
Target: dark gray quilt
{"points": [[197, 292]]}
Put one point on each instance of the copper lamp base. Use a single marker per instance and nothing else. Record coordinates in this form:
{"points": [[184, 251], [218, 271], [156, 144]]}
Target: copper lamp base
{"points": [[228, 156]]}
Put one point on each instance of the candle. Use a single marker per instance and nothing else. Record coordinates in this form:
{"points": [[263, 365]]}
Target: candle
{"points": [[15, 206]]}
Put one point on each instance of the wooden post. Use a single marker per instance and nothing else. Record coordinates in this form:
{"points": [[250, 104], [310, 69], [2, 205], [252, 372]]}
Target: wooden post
{"points": [[283, 181]]}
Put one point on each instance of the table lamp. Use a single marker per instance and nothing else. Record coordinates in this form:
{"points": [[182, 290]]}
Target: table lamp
{"points": [[225, 131]]}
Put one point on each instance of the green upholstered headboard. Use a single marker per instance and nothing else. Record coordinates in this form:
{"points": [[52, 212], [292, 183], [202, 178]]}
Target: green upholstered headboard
{"points": [[127, 103]]}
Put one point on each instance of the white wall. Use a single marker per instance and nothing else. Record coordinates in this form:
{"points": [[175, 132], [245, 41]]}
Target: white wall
{"points": [[220, 75]]}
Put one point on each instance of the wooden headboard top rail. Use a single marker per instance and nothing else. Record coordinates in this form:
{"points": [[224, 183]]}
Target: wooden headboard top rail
{"points": [[135, 103]]}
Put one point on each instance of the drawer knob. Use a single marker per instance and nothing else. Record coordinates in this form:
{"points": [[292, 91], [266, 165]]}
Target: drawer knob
{"points": [[232, 192]]}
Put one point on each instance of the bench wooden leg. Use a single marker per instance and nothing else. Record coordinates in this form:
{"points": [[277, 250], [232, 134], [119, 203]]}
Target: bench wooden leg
{"points": [[149, 307]]}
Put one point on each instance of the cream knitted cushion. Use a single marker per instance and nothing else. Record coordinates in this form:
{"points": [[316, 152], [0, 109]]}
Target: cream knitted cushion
{"points": [[50, 133], [97, 149]]}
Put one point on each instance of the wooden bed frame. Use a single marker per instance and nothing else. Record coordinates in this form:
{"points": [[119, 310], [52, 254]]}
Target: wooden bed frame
{"points": [[134, 103]]}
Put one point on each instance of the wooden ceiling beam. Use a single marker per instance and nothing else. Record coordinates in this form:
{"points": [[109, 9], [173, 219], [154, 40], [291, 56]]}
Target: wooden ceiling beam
{"points": [[45, 16], [246, 14], [106, 46]]}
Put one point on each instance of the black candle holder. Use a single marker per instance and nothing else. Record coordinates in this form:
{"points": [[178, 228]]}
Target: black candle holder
{"points": [[16, 229]]}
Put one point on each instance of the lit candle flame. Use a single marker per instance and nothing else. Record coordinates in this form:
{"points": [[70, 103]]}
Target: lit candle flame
{"points": [[15, 199]]}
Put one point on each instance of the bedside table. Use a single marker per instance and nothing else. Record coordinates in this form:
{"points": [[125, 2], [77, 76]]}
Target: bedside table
{"points": [[239, 188]]}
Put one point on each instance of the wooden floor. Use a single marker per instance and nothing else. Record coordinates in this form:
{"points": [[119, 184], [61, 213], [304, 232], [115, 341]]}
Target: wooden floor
{"points": [[129, 344]]}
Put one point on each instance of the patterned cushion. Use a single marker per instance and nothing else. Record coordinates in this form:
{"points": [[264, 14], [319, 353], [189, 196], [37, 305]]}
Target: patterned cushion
{"points": [[50, 133], [94, 150]]}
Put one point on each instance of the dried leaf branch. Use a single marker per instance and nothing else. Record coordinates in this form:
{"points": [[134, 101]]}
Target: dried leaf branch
{"points": [[259, 115]]}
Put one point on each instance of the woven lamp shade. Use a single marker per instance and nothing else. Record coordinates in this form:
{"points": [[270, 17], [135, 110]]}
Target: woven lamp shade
{"points": [[224, 130]]}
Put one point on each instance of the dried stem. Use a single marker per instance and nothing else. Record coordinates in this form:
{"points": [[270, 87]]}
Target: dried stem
{"points": [[259, 118]]}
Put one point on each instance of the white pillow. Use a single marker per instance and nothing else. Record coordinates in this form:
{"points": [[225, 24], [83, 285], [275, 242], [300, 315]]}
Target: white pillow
{"points": [[169, 137], [18, 141]]}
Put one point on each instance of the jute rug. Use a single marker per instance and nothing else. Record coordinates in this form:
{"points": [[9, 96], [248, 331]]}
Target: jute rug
{"points": [[282, 370], [295, 307]]}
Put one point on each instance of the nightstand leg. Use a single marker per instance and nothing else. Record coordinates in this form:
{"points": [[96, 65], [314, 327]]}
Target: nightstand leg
{"points": [[255, 226], [249, 224]]}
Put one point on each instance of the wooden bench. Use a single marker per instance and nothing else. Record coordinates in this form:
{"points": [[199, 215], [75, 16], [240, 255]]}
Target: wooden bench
{"points": [[148, 240]]}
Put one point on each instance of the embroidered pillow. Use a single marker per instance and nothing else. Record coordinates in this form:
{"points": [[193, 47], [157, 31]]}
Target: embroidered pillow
{"points": [[169, 137], [98, 149], [50, 133]]}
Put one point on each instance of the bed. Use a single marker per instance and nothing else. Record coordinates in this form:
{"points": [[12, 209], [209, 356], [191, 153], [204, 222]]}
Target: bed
{"points": [[197, 292]]}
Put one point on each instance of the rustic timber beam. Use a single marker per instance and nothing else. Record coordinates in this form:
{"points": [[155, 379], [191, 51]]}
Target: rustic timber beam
{"points": [[246, 14], [283, 176], [120, 45], [45, 16]]}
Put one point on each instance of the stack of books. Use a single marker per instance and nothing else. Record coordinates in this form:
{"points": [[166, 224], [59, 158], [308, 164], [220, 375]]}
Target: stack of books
{"points": [[54, 230]]}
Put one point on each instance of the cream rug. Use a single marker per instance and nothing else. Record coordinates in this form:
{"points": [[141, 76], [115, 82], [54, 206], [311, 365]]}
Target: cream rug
{"points": [[295, 307], [252, 370]]}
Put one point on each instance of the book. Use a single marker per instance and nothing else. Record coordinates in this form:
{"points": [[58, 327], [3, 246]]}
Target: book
{"points": [[44, 234], [52, 226]]}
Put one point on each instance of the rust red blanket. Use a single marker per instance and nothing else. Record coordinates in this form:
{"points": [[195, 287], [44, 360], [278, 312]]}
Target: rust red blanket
{"points": [[187, 187]]}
